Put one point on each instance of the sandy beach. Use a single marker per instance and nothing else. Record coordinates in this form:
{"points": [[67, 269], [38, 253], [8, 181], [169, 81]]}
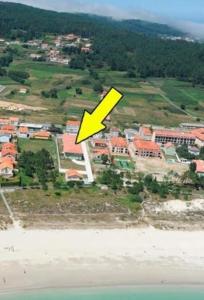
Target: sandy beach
{"points": [[77, 258]]}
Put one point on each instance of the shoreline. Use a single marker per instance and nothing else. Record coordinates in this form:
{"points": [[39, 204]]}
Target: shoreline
{"points": [[32, 260], [135, 287]]}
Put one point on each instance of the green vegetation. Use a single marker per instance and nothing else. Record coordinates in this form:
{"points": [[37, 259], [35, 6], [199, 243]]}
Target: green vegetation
{"points": [[38, 165], [192, 178], [26, 145], [116, 44], [183, 152], [19, 76]]}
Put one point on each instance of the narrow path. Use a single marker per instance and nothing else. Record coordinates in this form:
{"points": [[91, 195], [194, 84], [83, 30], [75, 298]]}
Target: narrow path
{"points": [[61, 170], [87, 162], [15, 222], [167, 99], [176, 106]]}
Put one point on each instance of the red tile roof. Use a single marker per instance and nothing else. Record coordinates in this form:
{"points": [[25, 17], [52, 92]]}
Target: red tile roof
{"points": [[199, 133], [199, 166], [6, 152], [101, 152], [69, 144], [23, 130], [42, 134], [9, 128], [10, 160], [73, 123], [14, 119], [119, 142], [174, 133], [146, 145], [73, 173], [4, 121], [8, 146], [146, 131], [6, 164], [100, 141]]}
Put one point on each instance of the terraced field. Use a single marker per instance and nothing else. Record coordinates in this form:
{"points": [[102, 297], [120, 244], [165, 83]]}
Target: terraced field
{"points": [[156, 101]]}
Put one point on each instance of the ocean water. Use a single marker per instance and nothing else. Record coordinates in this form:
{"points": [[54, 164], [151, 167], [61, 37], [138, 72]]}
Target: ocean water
{"points": [[110, 294]]}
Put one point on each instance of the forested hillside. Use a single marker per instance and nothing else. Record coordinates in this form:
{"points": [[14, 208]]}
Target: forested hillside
{"points": [[116, 45], [150, 28]]}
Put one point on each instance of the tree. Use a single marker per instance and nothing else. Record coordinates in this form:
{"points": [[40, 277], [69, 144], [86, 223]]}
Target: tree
{"points": [[137, 188], [38, 164], [183, 106], [79, 91], [98, 87], [192, 167], [104, 158], [112, 179], [201, 155]]}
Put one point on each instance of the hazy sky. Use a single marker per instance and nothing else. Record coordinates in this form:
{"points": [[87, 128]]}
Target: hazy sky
{"points": [[184, 14]]}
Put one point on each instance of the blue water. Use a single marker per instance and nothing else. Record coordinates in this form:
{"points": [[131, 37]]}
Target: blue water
{"points": [[116, 294]]}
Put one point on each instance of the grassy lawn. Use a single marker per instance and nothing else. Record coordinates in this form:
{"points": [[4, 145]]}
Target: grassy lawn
{"points": [[69, 164], [36, 145]]}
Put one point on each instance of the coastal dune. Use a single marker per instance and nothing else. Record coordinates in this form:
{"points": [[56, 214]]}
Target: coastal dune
{"points": [[32, 259]]}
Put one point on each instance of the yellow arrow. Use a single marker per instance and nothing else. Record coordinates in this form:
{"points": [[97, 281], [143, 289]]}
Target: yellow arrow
{"points": [[93, 123]]}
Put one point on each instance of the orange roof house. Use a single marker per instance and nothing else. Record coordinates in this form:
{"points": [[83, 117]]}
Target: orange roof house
{"points": [[42, 135], [9, 128], [118, 146], [199, 167], [23, 130], [73, 123], [99, 143], [73, 175], [70, 148], [8, 146], [145, 133], [6, 167], [99, 153], [146, 148], [199, 134], [8, 159], [9, 121], [14, 120], [72, 127], [8, 149]]}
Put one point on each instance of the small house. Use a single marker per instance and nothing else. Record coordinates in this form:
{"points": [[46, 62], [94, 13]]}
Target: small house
{"points": [[72, 127], [73, 175]]}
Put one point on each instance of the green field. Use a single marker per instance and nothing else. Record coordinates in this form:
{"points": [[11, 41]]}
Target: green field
{"points": [[37, 145], [183, 93], [144, 101]]}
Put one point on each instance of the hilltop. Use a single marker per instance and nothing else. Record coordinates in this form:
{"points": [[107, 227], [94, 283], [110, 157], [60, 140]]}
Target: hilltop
{"points": [[14, 17]]}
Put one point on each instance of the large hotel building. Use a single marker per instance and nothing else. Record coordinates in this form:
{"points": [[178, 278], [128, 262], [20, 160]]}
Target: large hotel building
{"points": [[173, 136]]}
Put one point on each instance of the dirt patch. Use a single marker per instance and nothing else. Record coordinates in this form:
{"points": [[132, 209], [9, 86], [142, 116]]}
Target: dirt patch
{"points": [[11, 106]]}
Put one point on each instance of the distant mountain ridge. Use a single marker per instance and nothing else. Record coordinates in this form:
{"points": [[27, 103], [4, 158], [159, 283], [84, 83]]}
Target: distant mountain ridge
{"points": [[14, 16], [132, 46]]}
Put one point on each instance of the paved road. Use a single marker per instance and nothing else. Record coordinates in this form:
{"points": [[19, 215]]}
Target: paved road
{"points": [[87, 162]]}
